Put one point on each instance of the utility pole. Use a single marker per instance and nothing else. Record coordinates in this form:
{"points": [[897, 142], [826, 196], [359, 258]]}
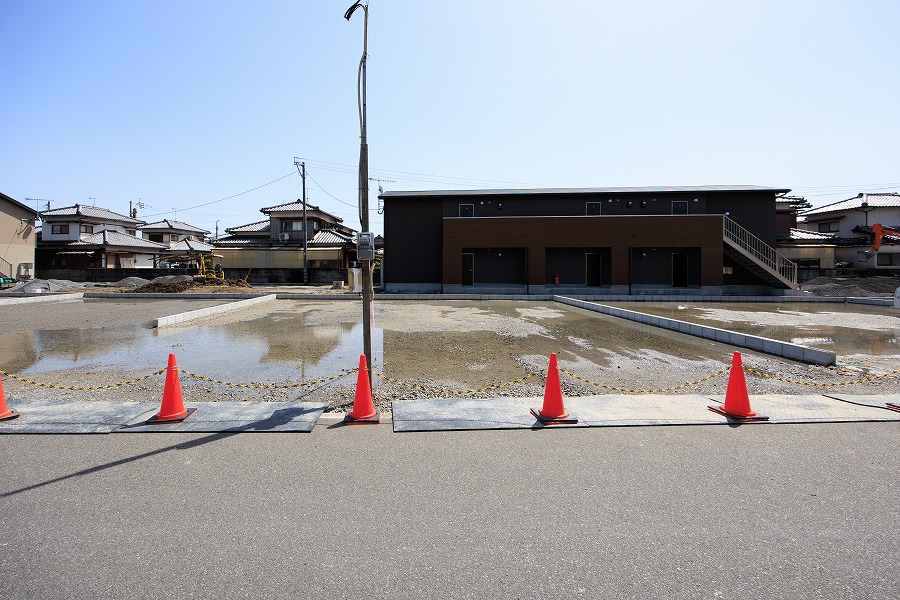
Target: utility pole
{"points": [[364, 188], [301, 166]]}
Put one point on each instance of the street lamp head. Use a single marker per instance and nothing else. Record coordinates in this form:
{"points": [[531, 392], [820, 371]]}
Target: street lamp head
{"points": [[353, 8]]}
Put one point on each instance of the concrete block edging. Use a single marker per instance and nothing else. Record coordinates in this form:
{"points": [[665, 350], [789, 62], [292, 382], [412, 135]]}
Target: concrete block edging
{"points": [[213, 310], [732, 338]]}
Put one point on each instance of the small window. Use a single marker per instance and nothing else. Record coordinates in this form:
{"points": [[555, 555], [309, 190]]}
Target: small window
{"points": [[60, 229], [593, 208], [829, 227], [808, 263], [467, 210], [131, 232], [888, 260], [173, 237], [155, 237], [86, 229], [679, 207]]}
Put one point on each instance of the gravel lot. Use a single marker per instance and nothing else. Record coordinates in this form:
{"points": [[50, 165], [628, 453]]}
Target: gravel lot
{"points": [[450, 345]]}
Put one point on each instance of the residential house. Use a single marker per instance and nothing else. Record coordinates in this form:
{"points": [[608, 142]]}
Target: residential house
{"points": [[92, 237], [273, 248], [708, 240], [17, 230], [849, 226], [186, 243]]}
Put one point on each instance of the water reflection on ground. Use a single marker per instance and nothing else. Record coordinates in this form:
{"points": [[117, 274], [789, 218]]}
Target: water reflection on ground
{"points": [[846, 329]]}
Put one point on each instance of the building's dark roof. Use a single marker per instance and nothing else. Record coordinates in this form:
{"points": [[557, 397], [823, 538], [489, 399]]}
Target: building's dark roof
{"points": [[108, 237], [91, 212], [600, 190], [19, 204], [169, 224], [230, 240], [258, 227], [872, 200]]}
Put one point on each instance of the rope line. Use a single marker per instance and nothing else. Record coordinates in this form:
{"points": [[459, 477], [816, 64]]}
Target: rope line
{"points": [[656, 391], [767, 375], [251, 386], [446, 392], [78, 388]]}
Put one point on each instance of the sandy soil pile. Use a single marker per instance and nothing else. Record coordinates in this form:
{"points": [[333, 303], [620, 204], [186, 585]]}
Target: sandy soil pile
{"points": [[856, 287], [179, 284]]}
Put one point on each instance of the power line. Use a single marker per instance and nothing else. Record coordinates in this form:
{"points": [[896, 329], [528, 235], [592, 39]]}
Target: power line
{"points": [[224, 199]]}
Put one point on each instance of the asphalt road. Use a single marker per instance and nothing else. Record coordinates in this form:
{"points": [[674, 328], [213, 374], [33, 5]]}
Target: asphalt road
{"points": [[756, 511]]}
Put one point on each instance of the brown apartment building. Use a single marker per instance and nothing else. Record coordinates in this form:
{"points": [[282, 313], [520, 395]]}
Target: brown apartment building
{"points": [[710, 240]]}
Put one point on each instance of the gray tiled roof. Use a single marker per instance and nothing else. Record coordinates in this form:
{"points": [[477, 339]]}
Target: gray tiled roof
{"points": [[872, 200], [258, 227], [297, 206], [330, 237], [91, 212], [191, 246], [117, 238], [598, 190], [169, 224], [803, 234], [230, 240]]}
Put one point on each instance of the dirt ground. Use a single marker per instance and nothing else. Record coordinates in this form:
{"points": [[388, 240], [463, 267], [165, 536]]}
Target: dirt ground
{"points": [[427, 346]]}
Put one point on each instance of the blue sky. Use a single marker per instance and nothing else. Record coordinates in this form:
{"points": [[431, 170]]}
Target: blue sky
{"points": [[180, 105]]}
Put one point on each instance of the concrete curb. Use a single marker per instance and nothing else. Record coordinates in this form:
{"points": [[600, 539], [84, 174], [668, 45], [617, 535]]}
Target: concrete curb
{"points": [[741, 340], [212, 310], [40, 298]]}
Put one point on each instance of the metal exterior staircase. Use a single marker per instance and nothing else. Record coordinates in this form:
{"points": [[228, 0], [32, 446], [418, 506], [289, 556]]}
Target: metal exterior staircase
{"points": [[758, 257]]}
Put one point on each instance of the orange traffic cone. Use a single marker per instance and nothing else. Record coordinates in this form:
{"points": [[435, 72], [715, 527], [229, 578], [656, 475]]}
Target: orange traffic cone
{"points": [[737, 400], [172, 409], [5, 413], [363, 408], [553, 410]]}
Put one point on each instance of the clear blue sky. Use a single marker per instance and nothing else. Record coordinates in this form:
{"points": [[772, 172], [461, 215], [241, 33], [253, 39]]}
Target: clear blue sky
{"points": [[186, 103]]}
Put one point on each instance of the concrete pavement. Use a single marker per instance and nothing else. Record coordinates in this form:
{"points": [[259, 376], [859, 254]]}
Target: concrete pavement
{"points": [[653, 512]]}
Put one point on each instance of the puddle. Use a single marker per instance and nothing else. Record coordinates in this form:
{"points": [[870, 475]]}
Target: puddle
{"points": [[442, 343], [846, 329]]}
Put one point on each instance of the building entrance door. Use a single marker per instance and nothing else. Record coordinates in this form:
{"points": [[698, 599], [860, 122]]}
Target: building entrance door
{"points": [[592, 269], [468, 268], [679, 269]]}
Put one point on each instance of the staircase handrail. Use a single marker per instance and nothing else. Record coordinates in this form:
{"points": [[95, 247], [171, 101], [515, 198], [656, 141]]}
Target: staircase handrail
{"points": [[6, 268], [760, 250]]}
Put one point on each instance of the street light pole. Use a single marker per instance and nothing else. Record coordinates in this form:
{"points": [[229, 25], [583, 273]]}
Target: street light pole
{"points": [[364, 184]]}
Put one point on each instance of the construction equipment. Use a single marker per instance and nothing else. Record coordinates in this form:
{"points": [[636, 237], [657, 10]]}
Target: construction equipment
{"points": [[878, 233]]}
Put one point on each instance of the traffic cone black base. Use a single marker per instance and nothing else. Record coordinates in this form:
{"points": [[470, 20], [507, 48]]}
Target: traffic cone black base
{"points": [[155, 420], [374, 420], [740, 418], [568, 420], [10, 414]]}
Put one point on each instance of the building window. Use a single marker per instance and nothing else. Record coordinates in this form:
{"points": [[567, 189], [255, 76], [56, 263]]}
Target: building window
{"points": [[888, 260], [287, 226], [829, 227], [173, 237], [86, 229], [60, 229], [593, 208], [131, 232], [679, 207], [156, 237], [808, 263], [467, 210]]}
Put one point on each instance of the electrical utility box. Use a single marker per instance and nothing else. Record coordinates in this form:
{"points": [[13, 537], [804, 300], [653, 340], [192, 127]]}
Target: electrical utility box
{"points": [[365, 245]]}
